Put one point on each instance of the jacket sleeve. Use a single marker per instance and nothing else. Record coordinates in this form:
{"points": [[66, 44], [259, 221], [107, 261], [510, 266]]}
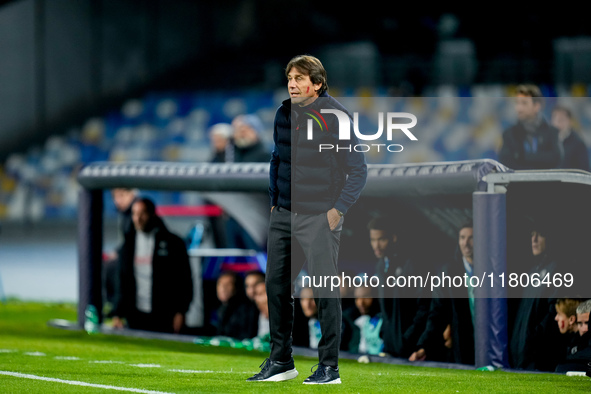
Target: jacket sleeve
{"points": [[438, 318], [123, 287], [185, 279], [508, 153], [354, 165], [416, 329], [273, 170]]}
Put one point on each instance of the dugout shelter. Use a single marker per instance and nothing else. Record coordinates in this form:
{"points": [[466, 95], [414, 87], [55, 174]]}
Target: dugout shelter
{"points": [[432, 201]]}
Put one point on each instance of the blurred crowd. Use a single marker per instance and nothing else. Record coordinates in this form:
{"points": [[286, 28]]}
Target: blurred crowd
{"points": [[454, 124]]}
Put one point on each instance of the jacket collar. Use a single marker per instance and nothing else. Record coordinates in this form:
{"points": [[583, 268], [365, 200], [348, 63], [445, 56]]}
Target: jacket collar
{"points": [[287, 102]]}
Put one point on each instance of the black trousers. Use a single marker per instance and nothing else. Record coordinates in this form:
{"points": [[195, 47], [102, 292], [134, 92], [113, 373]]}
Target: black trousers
{"points": [[294, 239]]}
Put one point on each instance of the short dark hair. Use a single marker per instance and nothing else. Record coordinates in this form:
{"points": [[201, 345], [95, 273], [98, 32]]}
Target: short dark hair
{"points": [[150, 206], [312, 67], [231, 274], [568, 306], [255, 272], [532, 91], [466, 225], [382, 223]]}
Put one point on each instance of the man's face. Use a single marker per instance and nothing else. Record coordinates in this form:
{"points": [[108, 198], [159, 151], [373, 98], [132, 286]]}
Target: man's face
{"points": [[363, 300], [250, 283], [140, 216], [260, 298], [244, 135], [538, 243], [308, 304], [526, 108], [466, 242], [301, 89], [560, 120], [564, 323], [122, 198], [225, 288], [380, 242], [218, 142], [583, 323]]}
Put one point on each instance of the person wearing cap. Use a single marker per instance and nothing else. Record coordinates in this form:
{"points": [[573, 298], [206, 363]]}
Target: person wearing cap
{"points": [[248, 147]]}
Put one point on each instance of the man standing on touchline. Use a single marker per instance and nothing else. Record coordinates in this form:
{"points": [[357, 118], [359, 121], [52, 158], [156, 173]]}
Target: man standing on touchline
{"points": [[309, 200]]}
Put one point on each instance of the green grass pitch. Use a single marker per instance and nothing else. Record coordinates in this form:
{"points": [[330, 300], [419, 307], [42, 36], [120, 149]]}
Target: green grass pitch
{"points": [[75, 362]]}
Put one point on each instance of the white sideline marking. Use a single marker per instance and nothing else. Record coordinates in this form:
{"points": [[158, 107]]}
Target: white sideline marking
{"points": [[35, 354], [106, 362], [77, 383], [7, 351], [145, 365], [66, 358]]}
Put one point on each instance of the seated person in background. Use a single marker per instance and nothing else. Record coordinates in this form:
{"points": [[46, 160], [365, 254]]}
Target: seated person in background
{"points": [[566, 319], [579, 353], [260, 299], [362, 324], [156, 287], [236, 317], [404, 310], [566, 315], [251, 280], [310, 311], [347, 296], [535, 340], [449, 333]]}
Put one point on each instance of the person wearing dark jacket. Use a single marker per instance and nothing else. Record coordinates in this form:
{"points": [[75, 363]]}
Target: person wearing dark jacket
{"points": [[578, 356], [156, 287], [248, 147], [449, 332], [566, 319], [237, 316], [404, 310], [220, 135], [535, 339], [310, 193], [362, 324], [123, 199], [532, 143], [575, 153]]}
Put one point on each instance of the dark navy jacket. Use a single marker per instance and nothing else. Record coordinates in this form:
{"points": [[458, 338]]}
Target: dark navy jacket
{"points": [[172, 284], [304, 179], [517, 154]]}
